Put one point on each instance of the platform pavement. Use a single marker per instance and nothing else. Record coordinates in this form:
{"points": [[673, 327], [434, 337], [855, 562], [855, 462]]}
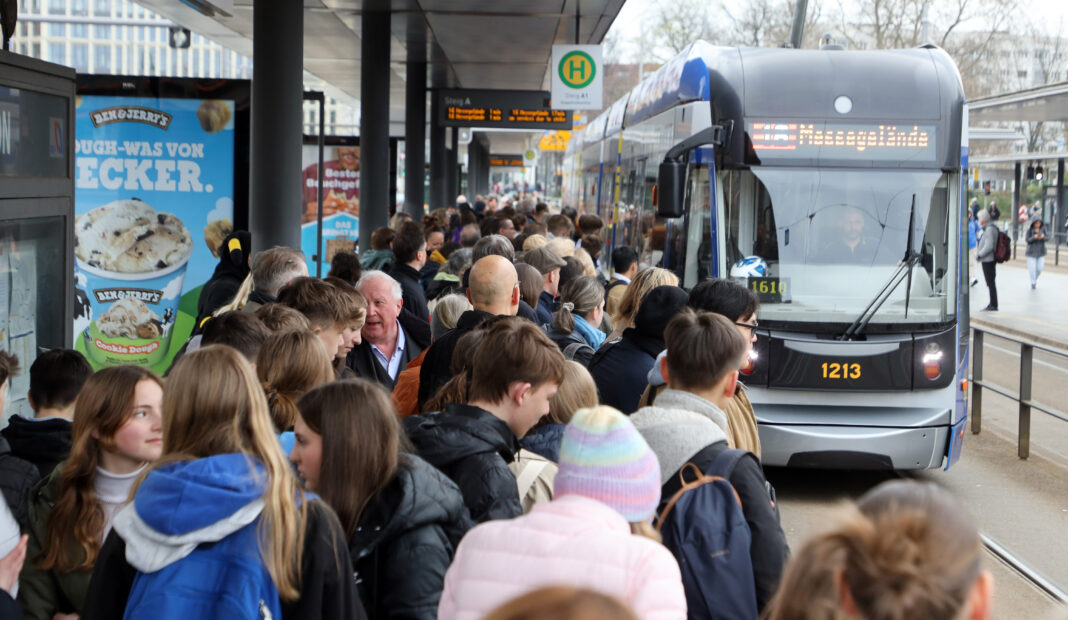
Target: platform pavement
{"points": [[1039, 315]]}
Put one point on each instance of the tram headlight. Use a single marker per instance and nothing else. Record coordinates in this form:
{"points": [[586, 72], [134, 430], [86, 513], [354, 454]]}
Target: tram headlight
{"points": [[932, 361], [750, 363]]}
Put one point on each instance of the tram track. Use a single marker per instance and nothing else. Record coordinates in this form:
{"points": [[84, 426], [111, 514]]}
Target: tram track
{"points": [[1025, 571]]}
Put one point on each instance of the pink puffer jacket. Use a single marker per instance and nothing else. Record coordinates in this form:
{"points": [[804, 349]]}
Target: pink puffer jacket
{"points": [[571, 540]]}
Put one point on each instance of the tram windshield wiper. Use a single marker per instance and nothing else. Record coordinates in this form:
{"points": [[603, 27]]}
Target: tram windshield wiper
{"points": [[902, 273]]}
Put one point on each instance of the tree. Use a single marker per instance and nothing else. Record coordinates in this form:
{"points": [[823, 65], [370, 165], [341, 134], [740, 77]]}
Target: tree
{"points": [[678, 23]]}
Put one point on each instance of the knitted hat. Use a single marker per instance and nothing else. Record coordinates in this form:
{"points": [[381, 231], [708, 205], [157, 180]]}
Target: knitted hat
{"points": [[603, 457]]}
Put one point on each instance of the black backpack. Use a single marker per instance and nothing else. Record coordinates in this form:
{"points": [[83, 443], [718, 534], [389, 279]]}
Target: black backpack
{"points": [[705, 530]]}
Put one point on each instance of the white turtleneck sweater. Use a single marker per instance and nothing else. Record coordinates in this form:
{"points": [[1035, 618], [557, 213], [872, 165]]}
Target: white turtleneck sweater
{"points": [[113, 492]]}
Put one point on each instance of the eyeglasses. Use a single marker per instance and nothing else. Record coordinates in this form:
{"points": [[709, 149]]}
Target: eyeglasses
{"points": [[751, 326]]}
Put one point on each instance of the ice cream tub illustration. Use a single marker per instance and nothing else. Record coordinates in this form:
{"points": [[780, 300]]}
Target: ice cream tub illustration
{"points": [[130, 263]]}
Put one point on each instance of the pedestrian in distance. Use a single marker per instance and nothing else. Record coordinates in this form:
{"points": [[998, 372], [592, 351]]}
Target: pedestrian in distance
{"points": [[402, 518], [595, 534], [984, 253], [222, 502], [1036, 248], [908, 549], [409, 257], [117, 431], [973, 240]]}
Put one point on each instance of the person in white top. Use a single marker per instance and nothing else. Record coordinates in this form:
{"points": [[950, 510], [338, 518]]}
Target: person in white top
{"points": [[117, 431]]}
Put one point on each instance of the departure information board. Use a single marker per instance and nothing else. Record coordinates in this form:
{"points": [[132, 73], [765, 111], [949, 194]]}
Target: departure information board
{"points": [[832, 140], [505, 109], [510, 161]]}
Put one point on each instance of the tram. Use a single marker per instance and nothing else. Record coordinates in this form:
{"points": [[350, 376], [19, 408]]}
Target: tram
{"points": [[830, 182]]}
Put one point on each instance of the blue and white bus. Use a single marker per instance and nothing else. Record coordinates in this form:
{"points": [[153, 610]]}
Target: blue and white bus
{"points": [[829, 182]]}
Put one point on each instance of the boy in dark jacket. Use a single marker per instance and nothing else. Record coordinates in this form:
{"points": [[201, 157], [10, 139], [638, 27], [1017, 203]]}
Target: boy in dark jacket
{"points": [[687, 425], [56, 378], [515, 370]]}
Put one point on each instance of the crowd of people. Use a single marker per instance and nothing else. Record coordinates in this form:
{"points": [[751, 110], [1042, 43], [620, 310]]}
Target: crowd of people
{"points": [[465, 421]]}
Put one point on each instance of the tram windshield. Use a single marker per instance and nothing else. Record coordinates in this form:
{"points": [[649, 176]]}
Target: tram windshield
{"points": [[832, 238]]}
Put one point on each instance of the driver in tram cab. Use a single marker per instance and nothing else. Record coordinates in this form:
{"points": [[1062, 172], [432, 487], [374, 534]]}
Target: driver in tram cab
{"points": [[848, 244]]}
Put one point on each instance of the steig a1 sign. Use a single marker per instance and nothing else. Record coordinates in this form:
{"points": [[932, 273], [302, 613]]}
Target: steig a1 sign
{"points": [[578, 77]]}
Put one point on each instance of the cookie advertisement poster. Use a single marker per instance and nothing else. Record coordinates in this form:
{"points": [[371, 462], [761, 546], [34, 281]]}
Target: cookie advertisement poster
{"points": [[341, 201], [154, 196]]}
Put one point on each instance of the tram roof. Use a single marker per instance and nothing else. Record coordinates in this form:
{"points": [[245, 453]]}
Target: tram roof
{"points": [[505, 44]]}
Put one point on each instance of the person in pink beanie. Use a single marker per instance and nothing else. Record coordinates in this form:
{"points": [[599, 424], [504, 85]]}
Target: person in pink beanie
{"points": [[595, 533]]}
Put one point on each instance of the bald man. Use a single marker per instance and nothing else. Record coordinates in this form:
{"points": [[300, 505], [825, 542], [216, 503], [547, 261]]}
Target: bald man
{"points": [[493, 290]]}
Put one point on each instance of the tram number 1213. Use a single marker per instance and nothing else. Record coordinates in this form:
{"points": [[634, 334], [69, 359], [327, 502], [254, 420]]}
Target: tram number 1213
{"points": [[834, 370]]}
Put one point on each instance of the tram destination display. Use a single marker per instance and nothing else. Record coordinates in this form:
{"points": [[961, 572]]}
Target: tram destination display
{"points": [[504, 109], [814, 139]]}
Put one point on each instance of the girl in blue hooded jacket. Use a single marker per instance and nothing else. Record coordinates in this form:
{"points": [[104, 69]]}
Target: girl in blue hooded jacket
{"points": [[218, 527]]}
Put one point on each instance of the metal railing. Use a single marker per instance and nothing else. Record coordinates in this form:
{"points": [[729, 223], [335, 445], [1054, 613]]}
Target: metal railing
{"points": [[1023, 398]]}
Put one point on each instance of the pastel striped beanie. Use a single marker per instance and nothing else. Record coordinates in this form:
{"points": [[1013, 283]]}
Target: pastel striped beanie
{"points": [[603, 457]]}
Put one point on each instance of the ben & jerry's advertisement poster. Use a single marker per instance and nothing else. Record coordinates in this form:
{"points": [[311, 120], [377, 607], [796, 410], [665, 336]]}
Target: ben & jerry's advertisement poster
{"points": [[153, 198], [341, 202]]}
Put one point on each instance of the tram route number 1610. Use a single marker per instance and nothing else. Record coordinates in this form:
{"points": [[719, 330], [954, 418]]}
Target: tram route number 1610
{"points": [[845, 370]]}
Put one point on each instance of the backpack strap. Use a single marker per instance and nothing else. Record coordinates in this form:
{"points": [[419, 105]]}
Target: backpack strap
{"points": [[572, 349], [725, 462], [693, 484]]}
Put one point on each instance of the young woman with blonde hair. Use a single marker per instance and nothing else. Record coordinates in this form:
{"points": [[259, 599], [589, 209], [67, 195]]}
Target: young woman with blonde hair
{"points": [[402, 518], [642, 285], [116, 432], [218, 527], [906, 550]]}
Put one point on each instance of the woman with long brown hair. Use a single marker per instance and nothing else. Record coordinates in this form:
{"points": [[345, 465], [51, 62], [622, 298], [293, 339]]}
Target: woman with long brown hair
{"points": [[117, 431], [218, 527], [402, 518]]}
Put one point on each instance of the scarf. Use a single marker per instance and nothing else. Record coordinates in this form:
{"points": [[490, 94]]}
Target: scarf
{"points": [[593, 337]]}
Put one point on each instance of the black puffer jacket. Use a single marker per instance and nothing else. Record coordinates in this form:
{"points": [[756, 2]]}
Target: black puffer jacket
{"points": [[405, 542], [17, 477], [472, 447], [45, 443]]}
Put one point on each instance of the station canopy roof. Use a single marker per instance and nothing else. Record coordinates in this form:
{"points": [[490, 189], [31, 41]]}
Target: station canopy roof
{"points": [[1046, 103], [491, 44]]}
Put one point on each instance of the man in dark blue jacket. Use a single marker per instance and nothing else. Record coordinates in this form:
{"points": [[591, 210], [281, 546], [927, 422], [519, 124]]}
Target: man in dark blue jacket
{"points": [[548, 265]]}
